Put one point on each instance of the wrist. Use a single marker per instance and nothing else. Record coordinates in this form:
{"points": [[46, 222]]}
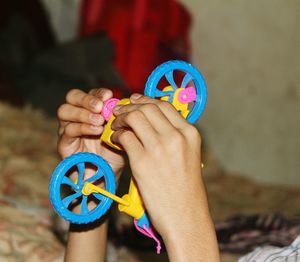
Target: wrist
{"points": [[87, 241], [193, 239]]}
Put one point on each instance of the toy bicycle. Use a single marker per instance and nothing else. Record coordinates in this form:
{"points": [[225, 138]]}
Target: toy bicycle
{"points": [[189, 99]]}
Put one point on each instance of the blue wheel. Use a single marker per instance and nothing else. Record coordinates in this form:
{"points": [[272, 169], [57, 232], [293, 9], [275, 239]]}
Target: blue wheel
{"points": [[191, 77], [66, 192]]}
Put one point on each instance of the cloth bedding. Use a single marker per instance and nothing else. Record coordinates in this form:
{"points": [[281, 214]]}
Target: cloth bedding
{"points": [[27, 154], [290, 253], [242, 234]]}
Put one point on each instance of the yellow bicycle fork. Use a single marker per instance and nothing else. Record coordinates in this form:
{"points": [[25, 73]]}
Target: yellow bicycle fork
{"points": [[130, 203]]}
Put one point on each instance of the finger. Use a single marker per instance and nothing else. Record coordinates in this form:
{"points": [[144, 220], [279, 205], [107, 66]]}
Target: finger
{"points": [[102, 93], [70, 113], [140, 125], [61, 128], [73, 130], [79, 98], [153, 113], [167, 108], [131, 144]]}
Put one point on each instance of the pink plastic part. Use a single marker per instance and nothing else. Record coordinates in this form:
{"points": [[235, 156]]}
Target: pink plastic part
{"points": [[108, 107], [149, 233], [187, 95]]}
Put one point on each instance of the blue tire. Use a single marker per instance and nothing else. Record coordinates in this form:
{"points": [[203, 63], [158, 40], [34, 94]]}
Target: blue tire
{"points": [[59, 178], [192, 74]]}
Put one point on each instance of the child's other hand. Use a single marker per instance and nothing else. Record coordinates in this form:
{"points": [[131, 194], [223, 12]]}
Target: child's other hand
{"points": [[81, 124]]}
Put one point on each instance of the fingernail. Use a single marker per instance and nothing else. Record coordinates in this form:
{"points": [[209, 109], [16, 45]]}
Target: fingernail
{"points": [[96, 119], [95, 103], [96, 128], [135, 96], [117, 108]]}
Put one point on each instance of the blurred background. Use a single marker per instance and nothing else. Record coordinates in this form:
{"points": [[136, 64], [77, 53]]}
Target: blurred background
{"points": [[249, 54]]}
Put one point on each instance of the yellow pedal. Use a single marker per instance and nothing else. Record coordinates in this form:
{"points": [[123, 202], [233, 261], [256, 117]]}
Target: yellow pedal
{"points": [[135, 208]]}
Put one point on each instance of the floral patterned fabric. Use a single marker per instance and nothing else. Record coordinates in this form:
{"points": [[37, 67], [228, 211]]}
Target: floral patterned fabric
{"points": [[27, 154]]}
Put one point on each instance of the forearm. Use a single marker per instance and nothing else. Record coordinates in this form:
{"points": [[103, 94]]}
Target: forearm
{"points": [[193, 236], [87, 243], [193, 245]]}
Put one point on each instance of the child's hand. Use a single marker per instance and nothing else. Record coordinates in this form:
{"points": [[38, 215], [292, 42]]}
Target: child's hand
{"points": [[164, 154], [165, 159], [81, 125]]}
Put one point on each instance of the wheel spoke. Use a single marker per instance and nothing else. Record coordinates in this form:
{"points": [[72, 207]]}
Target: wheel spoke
{"points": [[69, 182], [171, 97], [170, 78], [68, 200], [80, 167], [99, 196], [84, 205], [159, 93], [95, 177], [187, 78]]}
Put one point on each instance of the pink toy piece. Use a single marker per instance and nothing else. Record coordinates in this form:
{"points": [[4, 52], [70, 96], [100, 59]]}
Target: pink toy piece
{"points": [[187, 95], [108, 107], [149, 233]]}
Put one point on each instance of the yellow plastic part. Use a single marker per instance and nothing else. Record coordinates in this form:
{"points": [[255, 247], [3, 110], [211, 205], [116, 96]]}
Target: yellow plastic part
{"points": [[167, 88], [107, 132], [130, 203], [182, 108], [135, 207], [90, 188]]}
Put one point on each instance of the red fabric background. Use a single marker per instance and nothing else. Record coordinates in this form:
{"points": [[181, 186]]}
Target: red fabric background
{"points": [[144, 33]]}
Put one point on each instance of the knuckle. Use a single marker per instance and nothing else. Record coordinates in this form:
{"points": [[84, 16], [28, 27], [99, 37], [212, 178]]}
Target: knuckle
{"points": [[87, 99], [127, 118], [100, 92], [192, 133], [134, 116], [97, 91], [83, 129], [177, 139], [137, 165], [61, 110], [83, 116], [150, 107], [92, 91], [165, 104], [71, 93], [123, 136], [68, 130], [60, 130], [158, 149]]}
